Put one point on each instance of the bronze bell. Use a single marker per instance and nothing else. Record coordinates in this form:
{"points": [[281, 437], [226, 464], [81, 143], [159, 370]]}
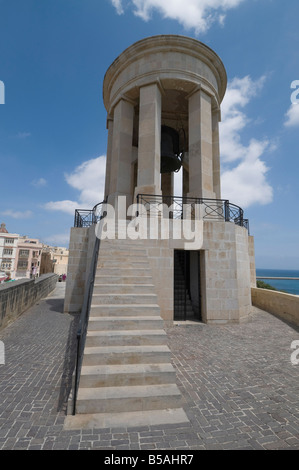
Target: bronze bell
{"points": [[170, 150]]}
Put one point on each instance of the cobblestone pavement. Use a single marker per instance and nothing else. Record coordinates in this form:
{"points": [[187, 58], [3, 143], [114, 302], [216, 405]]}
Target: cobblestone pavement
{"points": [[239, 387]]}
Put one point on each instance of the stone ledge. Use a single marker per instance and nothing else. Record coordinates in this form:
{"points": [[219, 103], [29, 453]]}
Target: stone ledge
{"points": [[285, 306], [16, 297]]}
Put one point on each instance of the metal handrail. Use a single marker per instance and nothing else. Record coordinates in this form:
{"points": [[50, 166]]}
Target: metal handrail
{"points": [[211, 209]]}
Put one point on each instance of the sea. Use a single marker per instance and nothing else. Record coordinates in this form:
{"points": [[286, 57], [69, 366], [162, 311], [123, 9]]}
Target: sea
{"points": [[286, 285]]}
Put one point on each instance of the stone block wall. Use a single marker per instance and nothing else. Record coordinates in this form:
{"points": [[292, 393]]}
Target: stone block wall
{"points": [[252, 261], [225, 270], [81, 246], [243, 273], [284, 306], [220, 273], [225, 273], [160, 257], [16, 297]]}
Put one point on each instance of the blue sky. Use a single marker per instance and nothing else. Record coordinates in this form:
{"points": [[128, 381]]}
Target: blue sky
{"points": [[53, 138]]}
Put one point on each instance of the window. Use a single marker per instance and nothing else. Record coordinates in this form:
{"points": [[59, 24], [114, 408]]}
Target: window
{"points": [[7, 251], [9, 240], [24, 253], [5, 265], [22, 265]]}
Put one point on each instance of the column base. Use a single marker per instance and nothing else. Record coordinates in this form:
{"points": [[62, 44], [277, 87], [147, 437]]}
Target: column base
{"points": [[149, 190]]}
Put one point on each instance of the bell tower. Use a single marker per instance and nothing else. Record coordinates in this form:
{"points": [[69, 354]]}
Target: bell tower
{"points": [[162, 97]]}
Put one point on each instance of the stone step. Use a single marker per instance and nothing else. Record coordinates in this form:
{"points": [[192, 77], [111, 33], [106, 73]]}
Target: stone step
{"points": [[123, 255], [125, 323], [113, 280], [123, 245], [130, 262], [126, 338], [126, 242], [126, 419], [126, 375], [125, 309], [133, 398], [110, 355], [102, 299], [123, 271], [123, 288]]}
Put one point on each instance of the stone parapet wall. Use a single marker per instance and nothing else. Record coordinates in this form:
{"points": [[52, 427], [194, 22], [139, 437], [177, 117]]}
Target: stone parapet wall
{"points": [[16, 297], [251, 252], [285, 306], [81, 246]]}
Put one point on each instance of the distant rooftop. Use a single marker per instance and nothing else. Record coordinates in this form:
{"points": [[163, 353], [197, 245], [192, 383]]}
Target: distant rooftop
{"points": [[3, 228]]}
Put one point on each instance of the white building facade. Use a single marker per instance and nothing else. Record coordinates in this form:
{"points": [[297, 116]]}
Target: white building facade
{"points": [[8, 251]]}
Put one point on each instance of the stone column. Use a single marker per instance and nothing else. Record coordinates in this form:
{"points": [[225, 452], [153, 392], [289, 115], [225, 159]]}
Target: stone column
{"points": [[200, 145], [108, 157], [216, 152], [121, 154], [149, 143], [185, 182]]}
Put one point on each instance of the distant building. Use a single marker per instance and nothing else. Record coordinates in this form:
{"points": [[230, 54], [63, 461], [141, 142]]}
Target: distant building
{"points": [[46, 265], [8, 251], [28, 257], [54, 259]]}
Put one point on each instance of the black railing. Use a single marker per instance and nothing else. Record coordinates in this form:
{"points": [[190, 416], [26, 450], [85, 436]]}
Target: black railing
{"points": [[183, 207], [84, 317], [88, 217]]}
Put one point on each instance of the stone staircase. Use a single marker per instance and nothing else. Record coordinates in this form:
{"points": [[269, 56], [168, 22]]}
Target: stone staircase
{"points": [[126, 378]]}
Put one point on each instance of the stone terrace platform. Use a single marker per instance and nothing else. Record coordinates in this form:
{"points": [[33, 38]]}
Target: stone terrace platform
{"points": [[240, 389]]}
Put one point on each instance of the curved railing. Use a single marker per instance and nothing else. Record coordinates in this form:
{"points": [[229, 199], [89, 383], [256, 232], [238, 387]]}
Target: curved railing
{"points": [[176, 208], [182, 207], [88, 217]]}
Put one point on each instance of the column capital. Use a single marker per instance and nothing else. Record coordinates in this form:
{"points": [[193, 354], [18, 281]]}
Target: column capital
{"points": [[202, 88], [155, 82], [122, 97]]}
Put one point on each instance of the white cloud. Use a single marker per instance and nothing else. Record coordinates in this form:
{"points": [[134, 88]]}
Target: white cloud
{"points": [[192, 14], [39, 183], [292, 116], [17, 214], [244, 175], [246, 184], [89, 180], [59, 239], [23, 135], [118, 5], [63, 206]]}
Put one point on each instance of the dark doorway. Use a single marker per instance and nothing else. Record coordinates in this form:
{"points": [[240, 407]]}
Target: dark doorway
{"points": [[187, 298]]}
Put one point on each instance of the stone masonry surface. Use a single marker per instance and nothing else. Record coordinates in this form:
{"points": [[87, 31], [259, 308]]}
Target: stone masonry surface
{"points": [[239, 387]]}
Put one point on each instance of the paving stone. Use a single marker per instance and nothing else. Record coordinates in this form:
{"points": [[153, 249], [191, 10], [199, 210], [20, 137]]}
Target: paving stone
{"points": [[239, 387]]}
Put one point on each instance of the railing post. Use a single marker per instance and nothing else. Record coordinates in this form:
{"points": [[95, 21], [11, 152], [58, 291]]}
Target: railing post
{"points": [[226, 211], [241, 217]]}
